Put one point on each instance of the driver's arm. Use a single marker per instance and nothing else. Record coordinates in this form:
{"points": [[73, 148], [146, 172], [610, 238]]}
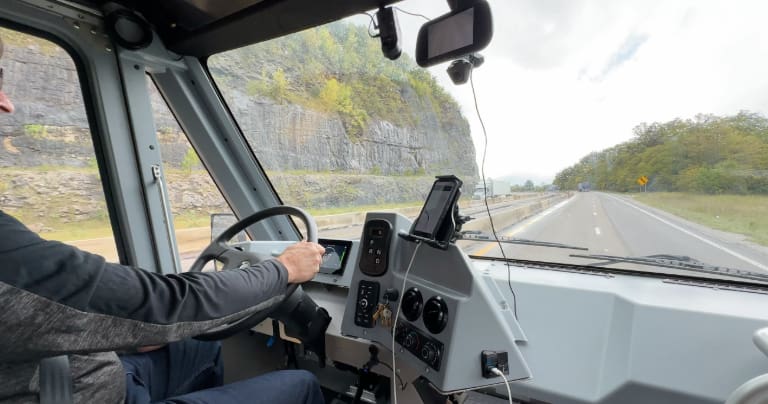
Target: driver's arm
{"points": [[58, 299]]}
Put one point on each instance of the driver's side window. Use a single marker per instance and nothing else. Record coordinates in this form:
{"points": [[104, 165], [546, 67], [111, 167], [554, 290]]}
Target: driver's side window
{"points": [[49, 177]]}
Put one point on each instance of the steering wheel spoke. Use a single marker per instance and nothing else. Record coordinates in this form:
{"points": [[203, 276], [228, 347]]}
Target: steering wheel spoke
{"points": [[233, 258]]}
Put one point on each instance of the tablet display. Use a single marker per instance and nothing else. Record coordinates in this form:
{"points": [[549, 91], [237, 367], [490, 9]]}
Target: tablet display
{"points": [[436, 209]]}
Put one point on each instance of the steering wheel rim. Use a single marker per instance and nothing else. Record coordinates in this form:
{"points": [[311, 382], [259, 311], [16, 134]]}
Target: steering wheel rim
{"points": [[219, 250]]}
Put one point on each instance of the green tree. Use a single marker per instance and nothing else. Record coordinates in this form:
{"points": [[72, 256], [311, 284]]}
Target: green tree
{"points": [[707, 154], [279, 88], [528, 185], [190, 162]]}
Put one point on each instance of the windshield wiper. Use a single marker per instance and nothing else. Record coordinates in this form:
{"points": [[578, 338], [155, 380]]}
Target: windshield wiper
{"points": [[676, 262], [480, 236]]}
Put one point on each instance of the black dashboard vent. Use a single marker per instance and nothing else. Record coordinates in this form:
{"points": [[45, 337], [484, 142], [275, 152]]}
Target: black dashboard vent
{"points": [[435, 314], [412, 304]]}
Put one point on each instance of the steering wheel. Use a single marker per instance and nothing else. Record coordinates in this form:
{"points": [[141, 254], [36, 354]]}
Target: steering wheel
{"points": [[232, 257]]}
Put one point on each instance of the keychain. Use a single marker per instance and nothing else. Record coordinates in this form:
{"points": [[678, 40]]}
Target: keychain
{"points": [[386, 317], [384, 313], [377, 313]]}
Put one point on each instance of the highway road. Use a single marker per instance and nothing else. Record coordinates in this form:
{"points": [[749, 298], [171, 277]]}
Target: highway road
{"points": [[617, 225], [606, 224]]}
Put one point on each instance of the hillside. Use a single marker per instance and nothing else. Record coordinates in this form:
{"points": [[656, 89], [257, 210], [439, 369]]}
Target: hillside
{"points": [[334, 80], [707, 154], [361, 115]]}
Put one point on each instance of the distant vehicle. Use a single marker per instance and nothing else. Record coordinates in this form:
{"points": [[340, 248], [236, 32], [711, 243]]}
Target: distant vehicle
{"points": [[584, 187], [495, 188]]}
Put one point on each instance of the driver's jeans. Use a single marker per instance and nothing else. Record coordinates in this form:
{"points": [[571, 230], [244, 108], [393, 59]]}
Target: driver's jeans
{"points": [[190, 371]]}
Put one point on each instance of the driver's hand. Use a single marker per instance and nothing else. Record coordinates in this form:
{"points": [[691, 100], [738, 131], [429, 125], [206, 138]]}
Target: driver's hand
{"points": [[302, 260]]}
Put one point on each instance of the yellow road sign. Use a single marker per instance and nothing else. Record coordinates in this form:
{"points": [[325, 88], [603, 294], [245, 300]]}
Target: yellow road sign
{"points": [[642, 180]]}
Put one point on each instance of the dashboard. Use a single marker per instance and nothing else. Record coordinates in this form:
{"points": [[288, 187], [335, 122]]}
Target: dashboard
{"points": [[578, 336], [568, 336]]}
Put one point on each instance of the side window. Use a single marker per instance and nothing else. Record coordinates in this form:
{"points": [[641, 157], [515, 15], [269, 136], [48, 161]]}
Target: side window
{"points": [[194, 198], [48, 173]]}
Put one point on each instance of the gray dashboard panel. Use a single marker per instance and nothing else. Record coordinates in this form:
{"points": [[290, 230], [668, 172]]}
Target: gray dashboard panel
{"points": [[598, 338], [589, 337], [475, 321]]}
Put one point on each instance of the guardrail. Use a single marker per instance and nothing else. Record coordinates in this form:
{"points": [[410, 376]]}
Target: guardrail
{"points": [[506, 217], [506, 211]]}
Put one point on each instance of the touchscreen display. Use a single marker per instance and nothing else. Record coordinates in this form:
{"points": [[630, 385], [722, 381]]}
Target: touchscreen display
{"points": [[335, 256], [435, 209]]}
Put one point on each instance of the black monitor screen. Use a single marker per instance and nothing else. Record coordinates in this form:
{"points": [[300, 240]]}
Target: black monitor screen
{"points": [[452, 33], [335, 256], [435, 210]]}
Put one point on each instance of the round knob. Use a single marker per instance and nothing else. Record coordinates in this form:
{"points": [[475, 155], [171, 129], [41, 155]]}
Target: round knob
{"points": [[412, 304], [411, 340], [435, 314], [363, 303], [428, 353]]}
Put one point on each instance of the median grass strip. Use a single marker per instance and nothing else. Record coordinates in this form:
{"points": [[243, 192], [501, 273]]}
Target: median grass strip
{"points": [[742, 214]]}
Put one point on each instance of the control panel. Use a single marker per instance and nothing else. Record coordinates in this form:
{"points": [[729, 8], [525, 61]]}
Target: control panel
{"points": [[375, 247], [428, 349], [449, 313], [367, 300]]}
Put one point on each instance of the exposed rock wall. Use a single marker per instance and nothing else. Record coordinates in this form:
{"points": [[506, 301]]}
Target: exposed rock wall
{"points": [[50, 130], [47, 198]]}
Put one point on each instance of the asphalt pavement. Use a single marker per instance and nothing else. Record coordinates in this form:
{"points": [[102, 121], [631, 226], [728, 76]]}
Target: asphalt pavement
{"points": [[617, 225]]}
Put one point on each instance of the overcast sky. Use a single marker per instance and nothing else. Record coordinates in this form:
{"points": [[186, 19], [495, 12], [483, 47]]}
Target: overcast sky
{"points": [[563, 78]]}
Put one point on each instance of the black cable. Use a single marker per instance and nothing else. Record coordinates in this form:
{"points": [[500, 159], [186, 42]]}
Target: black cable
{"points": [[402, 385], [375, 26], [487, 208], [413, 14]]}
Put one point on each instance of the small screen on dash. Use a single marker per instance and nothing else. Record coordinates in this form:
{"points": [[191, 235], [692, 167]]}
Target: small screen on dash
{"points": [[333, 258]]}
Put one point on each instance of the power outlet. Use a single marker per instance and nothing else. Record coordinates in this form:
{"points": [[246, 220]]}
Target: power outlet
{"points": [[494, 359]]}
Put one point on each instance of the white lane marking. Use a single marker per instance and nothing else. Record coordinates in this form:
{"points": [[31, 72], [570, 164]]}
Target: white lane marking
{"points": [[537, 218], [597, 231], [696, 236], [523, 226]]}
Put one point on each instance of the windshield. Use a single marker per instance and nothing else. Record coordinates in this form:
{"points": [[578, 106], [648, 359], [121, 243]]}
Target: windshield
{"points": [[629, 130]]}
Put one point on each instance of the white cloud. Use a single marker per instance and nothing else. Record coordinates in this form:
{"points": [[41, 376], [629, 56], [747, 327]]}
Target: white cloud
{"points": [[563, 78]]}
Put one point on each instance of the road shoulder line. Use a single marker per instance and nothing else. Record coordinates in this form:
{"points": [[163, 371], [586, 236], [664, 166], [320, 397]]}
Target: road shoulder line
{"points": [[694, 235]]}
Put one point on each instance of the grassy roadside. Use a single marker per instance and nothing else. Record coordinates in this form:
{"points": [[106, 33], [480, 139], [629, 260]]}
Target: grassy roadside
{"points": [[98, 228], [742, 214]]}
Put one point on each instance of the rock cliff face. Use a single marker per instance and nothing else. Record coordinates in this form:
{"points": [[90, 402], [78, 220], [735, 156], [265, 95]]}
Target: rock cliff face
{"points": [[50, 128], [290, 137]]}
